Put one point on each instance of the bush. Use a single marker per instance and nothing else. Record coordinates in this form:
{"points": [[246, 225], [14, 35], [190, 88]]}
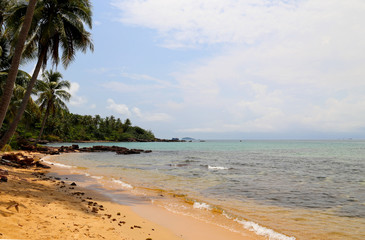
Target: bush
{"points": [[53, 138], [125, 137], [6, 148]]}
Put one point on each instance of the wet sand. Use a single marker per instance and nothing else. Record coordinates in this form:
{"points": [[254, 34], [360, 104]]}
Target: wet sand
{"points": [[36, 205]]}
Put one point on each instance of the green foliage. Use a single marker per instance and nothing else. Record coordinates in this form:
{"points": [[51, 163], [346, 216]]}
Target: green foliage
{"points": [[6, 148], [75, 127], [53, 138], [14, 143]]}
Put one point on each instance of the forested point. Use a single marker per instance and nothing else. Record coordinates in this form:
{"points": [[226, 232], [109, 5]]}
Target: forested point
{"points": [[70, 127]]}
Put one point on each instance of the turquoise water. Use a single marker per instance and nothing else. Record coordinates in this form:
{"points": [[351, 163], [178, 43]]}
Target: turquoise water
{"points": [[322, 178]]}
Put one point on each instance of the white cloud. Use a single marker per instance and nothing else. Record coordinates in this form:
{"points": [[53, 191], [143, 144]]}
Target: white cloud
{"points": [[75, 99], [282, 65], [232, 21], [151, 117], [136, 112], [118, 108], [157, 117]]}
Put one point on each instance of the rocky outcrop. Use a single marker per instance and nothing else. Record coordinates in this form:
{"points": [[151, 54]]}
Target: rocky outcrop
{"points": [[19, 160], [116, 149]]}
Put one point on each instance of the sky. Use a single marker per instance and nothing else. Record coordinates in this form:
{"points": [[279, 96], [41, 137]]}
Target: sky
{"points": [[226, 69]]}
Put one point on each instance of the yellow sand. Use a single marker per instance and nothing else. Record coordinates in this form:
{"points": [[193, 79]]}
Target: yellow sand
{"points": [[33, 208]]}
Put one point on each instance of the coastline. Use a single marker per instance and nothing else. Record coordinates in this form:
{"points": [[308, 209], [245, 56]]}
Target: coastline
{"points": [[42, 204], [35, 206], [109, 175]]}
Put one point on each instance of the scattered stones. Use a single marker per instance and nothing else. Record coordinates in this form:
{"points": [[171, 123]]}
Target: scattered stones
{"points": [[94, 210], [78, 193], [3, 178]]}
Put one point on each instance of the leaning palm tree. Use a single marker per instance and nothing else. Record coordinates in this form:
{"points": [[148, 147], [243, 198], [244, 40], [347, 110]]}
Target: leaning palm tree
{"points": [[57, 25], [52, 95], [13, 71], [20, 87]]}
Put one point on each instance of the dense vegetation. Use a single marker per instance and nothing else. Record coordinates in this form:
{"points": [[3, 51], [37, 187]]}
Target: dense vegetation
{"points": [[43, 31], [65, 126]]}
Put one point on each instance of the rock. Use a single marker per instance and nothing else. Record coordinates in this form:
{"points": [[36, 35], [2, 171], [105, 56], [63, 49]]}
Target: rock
{"points": [[27, 147], [43, 141], [3, 178], [41, 165], [73, 184], [53, 152]]}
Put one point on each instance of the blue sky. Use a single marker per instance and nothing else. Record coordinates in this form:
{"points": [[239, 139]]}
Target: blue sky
{"points": [[232, 69]]}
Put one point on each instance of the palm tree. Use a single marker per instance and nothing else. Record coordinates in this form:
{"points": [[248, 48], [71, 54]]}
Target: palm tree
{"points": [[57, 24], [13, 71], [52, 95]]}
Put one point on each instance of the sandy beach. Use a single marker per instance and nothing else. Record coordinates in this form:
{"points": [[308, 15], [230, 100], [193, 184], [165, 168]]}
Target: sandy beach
{"points": [[35, 205]]}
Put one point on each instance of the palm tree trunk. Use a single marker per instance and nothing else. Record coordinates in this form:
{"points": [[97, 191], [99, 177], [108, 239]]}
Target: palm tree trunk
{"points": [[8, 89], [9, 133], [46, 114]]}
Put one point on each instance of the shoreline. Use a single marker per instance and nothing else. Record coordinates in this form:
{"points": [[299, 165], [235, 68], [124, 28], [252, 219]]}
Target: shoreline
{"points": [[37, 204], [183, 225]]}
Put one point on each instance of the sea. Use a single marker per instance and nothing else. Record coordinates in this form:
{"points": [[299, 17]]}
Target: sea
{"points": [[279, 189]]}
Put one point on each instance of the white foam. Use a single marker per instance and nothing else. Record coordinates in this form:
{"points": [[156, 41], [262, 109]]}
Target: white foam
{"points": [[203, 206], [123, 184], [58, 164], [96, 177], [217, 168], [263, 231]]}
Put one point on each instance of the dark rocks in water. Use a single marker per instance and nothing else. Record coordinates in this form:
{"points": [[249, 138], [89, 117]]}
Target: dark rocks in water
{"points": [[53, 152], [75, 146], [43, 141], [130, 151], [41, 165]]}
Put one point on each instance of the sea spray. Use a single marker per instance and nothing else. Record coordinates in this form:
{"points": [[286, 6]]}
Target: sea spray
{"points": [[57, 164], [122, 184], [217, 168], [263, 231]]}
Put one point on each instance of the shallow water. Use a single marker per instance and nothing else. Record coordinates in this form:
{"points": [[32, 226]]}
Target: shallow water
{"points": [[305, 189]]}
